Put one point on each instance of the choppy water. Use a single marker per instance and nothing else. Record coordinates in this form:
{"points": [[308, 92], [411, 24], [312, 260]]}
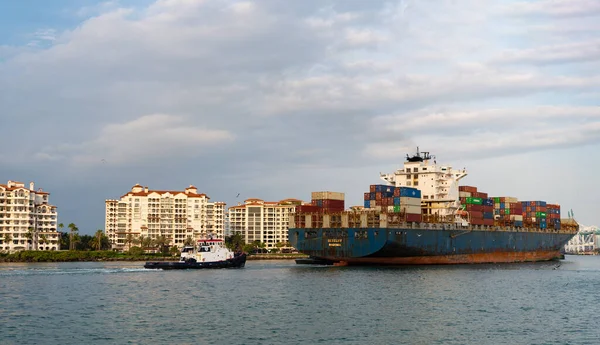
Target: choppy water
{"points": [[278, 302]]}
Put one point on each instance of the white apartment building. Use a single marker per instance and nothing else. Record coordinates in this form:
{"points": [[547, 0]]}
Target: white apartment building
{"points": [[176, 215], [27, 212], [264, 221]]}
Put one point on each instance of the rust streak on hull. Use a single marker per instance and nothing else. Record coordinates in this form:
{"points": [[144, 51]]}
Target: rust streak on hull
{"points": [[496, 257]]}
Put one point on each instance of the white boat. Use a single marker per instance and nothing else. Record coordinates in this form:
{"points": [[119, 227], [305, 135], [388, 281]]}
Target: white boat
{"points": [[207, 253]]}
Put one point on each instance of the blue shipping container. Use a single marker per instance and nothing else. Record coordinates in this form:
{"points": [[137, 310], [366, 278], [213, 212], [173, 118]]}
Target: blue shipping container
{"points": [[488, 202], [519, 223], [373, 195], [367, 203], [502, 205], [410, 192], [396, 201]]}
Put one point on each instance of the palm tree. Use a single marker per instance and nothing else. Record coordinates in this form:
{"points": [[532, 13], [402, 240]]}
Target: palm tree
{"points": [[43, 239], [161, 241], [7, 238], [29, 235], [96, 242], [189, 241], [61, 226], [129, 239], [72, 232]]}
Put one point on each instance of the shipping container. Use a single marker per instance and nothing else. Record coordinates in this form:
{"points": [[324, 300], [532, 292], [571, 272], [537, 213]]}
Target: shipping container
{"points": [[475, 201], [410, 192], [410, 209], [413, 217], [367, 203], [327, 195], [307, 209], [464, 194], [410, 201], [488, 222]]}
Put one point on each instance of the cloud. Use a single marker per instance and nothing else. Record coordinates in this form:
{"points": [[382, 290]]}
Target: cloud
{"points": [[556, 54], [300, 91], [554, 8], [487, 132], [151, 137]]}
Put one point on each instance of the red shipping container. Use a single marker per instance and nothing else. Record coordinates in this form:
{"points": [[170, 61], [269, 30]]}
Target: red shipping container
{"points": [[372, 188], [378, 196], [471, 207], [396, 192], [476, 214], [477, 221], [333, 209], [489, 222], [488, 209], [367, 196], [411, 217], [462, 200], [333, 203], [307, 209]]}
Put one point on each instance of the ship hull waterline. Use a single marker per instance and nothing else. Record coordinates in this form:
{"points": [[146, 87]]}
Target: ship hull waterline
{"points": [[382, 246]]}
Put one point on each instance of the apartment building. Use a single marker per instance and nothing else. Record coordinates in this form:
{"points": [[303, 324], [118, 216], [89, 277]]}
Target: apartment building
{"points": [[264, 221], [27, 219], [177, 215]]}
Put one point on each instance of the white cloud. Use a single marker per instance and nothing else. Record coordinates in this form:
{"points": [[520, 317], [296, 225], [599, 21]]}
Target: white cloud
{"points": [[300, 84], [554, 8], [151, 137]]}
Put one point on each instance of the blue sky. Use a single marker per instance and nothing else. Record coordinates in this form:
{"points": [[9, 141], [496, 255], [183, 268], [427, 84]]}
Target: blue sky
{"points": [[275, 99]]}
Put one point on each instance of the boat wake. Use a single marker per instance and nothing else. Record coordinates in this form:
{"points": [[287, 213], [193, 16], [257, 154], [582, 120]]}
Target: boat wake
{"points": [[9, 272]]}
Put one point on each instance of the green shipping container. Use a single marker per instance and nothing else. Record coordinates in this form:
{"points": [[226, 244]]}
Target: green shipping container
{"points": [[497, 200], [396, 209], [474, 201], [540, 214], [507, 211]]}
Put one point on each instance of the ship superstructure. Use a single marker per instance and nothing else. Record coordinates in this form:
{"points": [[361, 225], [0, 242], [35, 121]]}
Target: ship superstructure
{"points": [[438, 184]]}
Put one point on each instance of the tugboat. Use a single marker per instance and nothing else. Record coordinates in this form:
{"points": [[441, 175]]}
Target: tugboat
{"points": [[207, 253]]}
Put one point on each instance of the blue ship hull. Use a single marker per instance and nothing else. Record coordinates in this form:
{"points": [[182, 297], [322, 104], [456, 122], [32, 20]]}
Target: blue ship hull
{"points": [[415, 246]]}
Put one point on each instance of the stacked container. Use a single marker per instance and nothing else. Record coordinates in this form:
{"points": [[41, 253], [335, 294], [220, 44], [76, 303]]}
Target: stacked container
{"points": [[328, 201], [508, 211], [470, 191], [536, 213], [553, 216], [395, 200], [479, 206]]}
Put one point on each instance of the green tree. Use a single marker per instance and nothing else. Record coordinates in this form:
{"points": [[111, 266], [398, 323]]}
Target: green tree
{"points": [[65, 241], [129, 239], [146, 242], [43, 239], [162, 243], [7, 238], [73, 230], [189, 241], [96, 242], [234, 242], [174, 251], [30, 238]]}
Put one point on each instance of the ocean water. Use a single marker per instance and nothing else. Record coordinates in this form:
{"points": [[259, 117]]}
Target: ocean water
{"points": [[279, 302]]}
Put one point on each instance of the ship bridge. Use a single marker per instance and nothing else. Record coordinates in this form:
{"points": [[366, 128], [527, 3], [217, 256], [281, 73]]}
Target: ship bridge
{"points": [[438, 183]]}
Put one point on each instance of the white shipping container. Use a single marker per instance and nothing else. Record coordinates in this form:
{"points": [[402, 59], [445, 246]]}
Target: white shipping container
{"points": [[327, 195], [511, 199], [410, 209], [516, 217], [404, 200], [390, 209], [464, 194], [372, 203]]}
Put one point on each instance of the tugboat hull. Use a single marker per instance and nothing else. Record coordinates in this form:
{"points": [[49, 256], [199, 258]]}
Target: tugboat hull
{"points": [[236, 262]]}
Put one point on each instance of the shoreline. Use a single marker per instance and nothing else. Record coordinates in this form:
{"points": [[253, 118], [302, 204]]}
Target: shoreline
{"points": [[102, 256]]}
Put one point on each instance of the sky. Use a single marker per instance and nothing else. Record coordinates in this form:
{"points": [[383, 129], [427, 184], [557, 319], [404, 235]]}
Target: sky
{"points": [[275, 99]]}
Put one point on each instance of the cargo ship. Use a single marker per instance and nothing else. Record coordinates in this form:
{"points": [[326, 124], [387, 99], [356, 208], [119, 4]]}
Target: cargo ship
{"points": [[421, 215]]}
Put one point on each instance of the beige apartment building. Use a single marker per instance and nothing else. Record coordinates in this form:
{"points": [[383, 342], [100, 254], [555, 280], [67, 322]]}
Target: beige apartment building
{"points": [[27, 220], [264, 221], [176, 215]]}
